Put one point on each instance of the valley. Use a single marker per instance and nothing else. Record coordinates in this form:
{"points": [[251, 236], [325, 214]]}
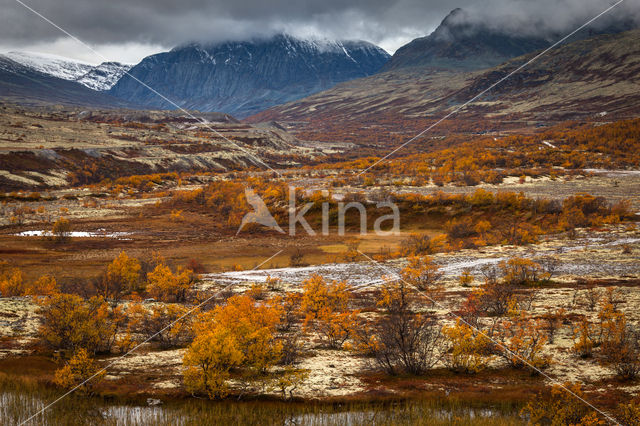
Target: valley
{"points": [[278, 229]]}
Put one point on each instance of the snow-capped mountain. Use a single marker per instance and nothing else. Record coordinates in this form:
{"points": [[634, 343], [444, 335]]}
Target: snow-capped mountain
{"points": [[245, 77], [56, 66], [101, 77], [25, 85], [104, 76]]}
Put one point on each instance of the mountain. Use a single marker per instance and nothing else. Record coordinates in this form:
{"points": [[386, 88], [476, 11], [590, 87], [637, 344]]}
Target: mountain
{"points": [[53, 65], [579, 80], [104, 76], [463, 42], [100, 77], [24, 85], [242, 78]]}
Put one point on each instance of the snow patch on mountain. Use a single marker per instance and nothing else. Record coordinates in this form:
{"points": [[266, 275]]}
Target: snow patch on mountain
{"points": [[104, 76], [56, 66], [101, 77], [246, 77]]}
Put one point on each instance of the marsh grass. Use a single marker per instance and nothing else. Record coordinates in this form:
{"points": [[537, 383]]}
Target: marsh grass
{"points": [[20, 399]]}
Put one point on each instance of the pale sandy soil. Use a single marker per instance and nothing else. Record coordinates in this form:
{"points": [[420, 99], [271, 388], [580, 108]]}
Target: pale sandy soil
{"points": [[331, 373], [164, 366], [19, 321]]}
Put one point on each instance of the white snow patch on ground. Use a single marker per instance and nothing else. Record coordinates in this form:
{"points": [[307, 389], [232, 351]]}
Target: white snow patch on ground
{"points": [[364, 274], [101, 233]]}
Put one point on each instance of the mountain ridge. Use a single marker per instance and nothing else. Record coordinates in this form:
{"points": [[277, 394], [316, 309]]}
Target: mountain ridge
{"points": [[459, 43], [25, 86], [242, 78], [464, 42], [99, 77], [573, 81]]}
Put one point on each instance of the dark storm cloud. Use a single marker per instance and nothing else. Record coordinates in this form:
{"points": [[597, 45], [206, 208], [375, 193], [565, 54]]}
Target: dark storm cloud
{"points": [[171, 22]]}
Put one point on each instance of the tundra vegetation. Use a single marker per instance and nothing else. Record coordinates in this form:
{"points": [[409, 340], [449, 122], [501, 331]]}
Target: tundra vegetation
{"points": [[509, 336]]}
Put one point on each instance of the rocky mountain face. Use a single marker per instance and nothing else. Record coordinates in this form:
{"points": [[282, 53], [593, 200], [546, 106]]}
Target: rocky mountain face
{"points": [[243, 78], [96, 77], [459, 43], [463, 42], [104, 76], [25, 85], [580, 80]]}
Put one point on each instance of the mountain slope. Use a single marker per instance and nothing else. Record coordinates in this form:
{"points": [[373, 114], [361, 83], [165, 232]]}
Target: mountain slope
{"points": [[100, 77], [576, 80], [242, 78], [104, 76], [24, 85], [53, 65], [461, 44]]}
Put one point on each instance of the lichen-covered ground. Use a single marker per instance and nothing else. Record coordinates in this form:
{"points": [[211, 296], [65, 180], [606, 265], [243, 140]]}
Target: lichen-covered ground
{"points": [[608, 256]]}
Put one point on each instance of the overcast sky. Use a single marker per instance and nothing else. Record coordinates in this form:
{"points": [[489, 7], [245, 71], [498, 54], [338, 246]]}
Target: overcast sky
{"points": [[128, 30]]}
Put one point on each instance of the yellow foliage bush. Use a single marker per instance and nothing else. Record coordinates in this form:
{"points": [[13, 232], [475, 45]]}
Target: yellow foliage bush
{"points": [[239, 335], [469, 348], [61, 229], [123, 276], [585, 339], [423, 274], [525, 339], [163, 284], [520, 271], [561, 408], [12, 283], [80, 372], [71, 323], [325, 309]]}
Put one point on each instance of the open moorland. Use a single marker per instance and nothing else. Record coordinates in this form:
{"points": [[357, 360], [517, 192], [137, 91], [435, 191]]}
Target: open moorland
{"points": [[509, 284]]}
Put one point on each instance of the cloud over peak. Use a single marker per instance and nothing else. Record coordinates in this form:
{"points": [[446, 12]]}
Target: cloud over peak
{"points": [[389, 23]]}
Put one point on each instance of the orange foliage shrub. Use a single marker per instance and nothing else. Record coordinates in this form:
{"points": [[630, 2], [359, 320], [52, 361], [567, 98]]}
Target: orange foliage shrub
{"points": [[81, 373], [325, 308], [163, 284], [520, 271], [61, 229], [424, 275], [71, 323], [239, 335], [620, 343], [12, 283], [123, 276], [524, 338], [469, 350], [561, 408]]}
